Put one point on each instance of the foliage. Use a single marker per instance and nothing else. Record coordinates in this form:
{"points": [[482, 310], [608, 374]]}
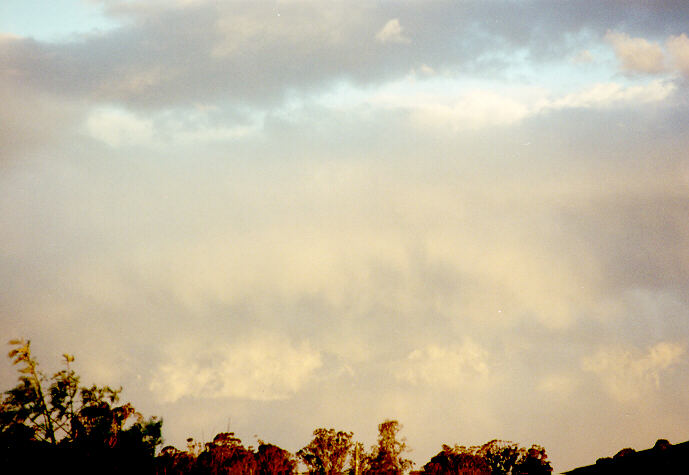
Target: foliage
{"points": [[452, 460], [327, 453], [534, 462], [358, 459], [386, 457], [43, 412], [499, 457], [225, 455], [272, 459]]}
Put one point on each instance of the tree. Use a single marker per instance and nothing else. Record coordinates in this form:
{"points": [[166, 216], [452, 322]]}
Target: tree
{"points": [[358, 459], [534, 462], [272, 459], [226, 455], [386, 457], [497, 457], [327, 453], [453, 460], [43, 412], [501, 455]]}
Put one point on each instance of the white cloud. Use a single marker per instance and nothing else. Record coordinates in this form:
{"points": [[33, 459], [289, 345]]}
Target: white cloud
{"points": [[263, 369], [637, 55], [392, 32], [460, 109], [609, 94], [678, 46], [118, 127], [477, 108], [467, 109], [444, 366], [629, 376]]}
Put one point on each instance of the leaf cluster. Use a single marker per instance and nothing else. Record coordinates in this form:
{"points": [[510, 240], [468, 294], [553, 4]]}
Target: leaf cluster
{"points": [[498, 457], [327, 453], [386, 457], [58, 411], [226, 455]]}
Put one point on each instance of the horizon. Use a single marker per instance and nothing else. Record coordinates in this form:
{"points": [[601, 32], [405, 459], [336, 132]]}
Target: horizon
{"points": [[470, 217]]}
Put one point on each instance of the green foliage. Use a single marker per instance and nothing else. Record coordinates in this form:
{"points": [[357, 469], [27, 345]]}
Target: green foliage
{"points": [[386, 457], [42, 412], [327, 453]]}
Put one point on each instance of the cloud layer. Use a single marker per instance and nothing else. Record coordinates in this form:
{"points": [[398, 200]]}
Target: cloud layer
{"points": [[470, 217]]}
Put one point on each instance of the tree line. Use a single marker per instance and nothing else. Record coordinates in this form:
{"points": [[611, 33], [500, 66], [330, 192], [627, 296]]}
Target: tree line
{"points": [[53, 422]]}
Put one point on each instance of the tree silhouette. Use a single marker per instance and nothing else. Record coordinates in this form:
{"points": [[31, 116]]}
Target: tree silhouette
{"points": [[456, 460], [501, 455], [327, 453], [534, 462], [57, 412], [272, 459], [386, 457]]}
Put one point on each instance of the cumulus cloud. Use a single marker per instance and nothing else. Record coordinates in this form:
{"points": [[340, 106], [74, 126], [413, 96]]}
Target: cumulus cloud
{"points": [[259, 368], [637, 55], [629, 376], [447, 367], [678, 46], [392, 33]]}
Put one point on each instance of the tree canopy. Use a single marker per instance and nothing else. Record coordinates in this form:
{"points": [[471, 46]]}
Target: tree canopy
{"points": [[386, 456], [496, 457], [57, 412], [87, 428], [327, 453]]}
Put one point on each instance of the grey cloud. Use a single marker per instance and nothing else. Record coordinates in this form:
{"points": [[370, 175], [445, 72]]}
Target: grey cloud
{"points": [[247, 54]]}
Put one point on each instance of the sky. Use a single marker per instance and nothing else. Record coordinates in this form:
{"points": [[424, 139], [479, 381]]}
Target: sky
{"points": [[274, 216]]}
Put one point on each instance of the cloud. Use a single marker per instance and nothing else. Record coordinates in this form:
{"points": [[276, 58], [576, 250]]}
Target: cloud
{"points": [[629, 376], [475, 109], [392, 33], [168, 54], [637, 55], [468, 208], [446, 367], [612, 94], [583, 57], [118, 127], [678, 47], [258, 368], [478, 108], [557, 384]]}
